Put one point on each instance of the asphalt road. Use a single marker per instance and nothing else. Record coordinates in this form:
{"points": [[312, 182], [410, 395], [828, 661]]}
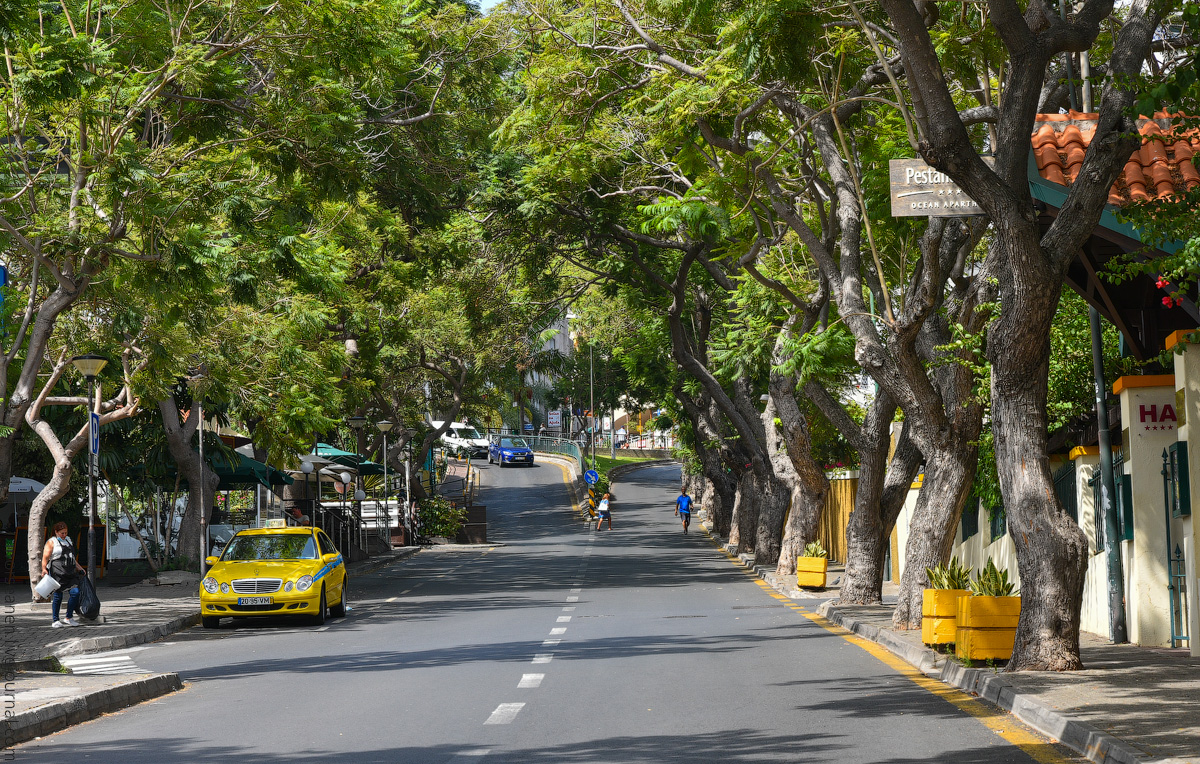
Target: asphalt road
{"points": [[556, 644]]}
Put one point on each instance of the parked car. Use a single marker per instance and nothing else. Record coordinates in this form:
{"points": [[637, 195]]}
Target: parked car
{"points": [[462, 439], [275, 572], [506, 450]]}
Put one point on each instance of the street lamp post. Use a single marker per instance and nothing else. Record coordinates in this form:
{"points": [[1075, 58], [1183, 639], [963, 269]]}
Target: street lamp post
{"points": [[90, 367], [306, 468], [357, 423], [385, 427], [410, 433], [345, 534]]}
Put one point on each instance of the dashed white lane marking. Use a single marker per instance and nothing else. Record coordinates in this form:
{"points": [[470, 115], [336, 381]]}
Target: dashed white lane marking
{"points": [[505, 713], [392, 599], [572, 599], [563, 619], [551, 642], [103, 664], [576, 591], [530, 680], [558, 630], [570, 609], [469, 757], [542, 658]]}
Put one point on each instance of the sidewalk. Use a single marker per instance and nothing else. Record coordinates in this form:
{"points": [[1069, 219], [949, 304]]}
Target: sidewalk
{"points": [[1131, 704], [40, 699]]}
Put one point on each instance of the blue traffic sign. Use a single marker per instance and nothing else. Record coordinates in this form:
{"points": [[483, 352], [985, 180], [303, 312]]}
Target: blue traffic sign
{"points": [[95, 433], [591, 477]]}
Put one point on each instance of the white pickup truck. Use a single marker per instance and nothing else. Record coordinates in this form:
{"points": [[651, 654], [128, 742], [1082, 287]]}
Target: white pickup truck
{"points": [[462, 439]]}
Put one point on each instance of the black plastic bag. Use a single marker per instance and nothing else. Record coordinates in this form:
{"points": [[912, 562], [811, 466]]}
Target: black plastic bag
{"points": [[89, 603]]}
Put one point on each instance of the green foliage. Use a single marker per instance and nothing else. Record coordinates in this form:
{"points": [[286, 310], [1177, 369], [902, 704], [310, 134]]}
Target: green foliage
{"points": [[814, 549], [438, 517], [992, 582], [952, 575]]}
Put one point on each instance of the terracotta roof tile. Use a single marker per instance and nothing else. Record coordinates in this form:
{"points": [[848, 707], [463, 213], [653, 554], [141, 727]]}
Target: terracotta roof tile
{"points": [[1164, 165]]}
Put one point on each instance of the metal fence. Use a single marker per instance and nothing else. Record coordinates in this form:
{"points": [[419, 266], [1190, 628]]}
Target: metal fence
{"points": [[555, 446]]}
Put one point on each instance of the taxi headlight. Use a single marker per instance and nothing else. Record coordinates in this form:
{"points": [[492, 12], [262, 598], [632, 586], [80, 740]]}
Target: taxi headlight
{"points": [[210, 585], [303, 583], [224, 588], [288, 586]]}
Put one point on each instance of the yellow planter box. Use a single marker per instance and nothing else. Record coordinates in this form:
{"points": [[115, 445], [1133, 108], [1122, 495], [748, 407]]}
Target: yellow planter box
{"points": [[989, 612], [985, 644], [939, 611], [810, 571], [987, 627]]}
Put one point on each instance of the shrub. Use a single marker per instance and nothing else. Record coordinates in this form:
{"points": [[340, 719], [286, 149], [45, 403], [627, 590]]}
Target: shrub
{"points": [[952, 575], [440, 518], [992, 582], [814, 549]]}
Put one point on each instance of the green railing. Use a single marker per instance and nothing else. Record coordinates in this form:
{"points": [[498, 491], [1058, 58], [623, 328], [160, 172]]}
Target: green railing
{"points": [[555, 446]]}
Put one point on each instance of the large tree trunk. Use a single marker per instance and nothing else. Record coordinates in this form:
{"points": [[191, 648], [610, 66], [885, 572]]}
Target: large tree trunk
{"points": [[866, 544], [1051, 549], [744, 525], [202, 481], [931, 532], [809, 484]]}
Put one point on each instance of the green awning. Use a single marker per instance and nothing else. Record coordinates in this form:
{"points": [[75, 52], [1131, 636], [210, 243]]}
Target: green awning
{"points": [[247, 472], [242, 474], [370, 468], [344, 458]]}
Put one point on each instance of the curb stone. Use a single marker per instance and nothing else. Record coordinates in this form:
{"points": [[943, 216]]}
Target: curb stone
{"points": [[58, 715], [148, 634], [1081, 737]]}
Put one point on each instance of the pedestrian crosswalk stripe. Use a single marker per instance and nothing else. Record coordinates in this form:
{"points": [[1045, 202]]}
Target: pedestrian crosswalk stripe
{"points": [[104, 664]]}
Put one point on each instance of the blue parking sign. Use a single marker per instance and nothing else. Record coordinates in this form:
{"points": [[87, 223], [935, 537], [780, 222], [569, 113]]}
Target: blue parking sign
{"points": [[95, 433]]}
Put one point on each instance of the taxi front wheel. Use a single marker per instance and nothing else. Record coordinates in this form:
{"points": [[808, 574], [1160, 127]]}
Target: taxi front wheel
{"points": [[339, 610], [319, 617], [210, 622]]}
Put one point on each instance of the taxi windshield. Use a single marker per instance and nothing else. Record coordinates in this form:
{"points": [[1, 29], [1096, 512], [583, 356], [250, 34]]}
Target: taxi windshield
{"points": [[513, 443], [280, 546]]}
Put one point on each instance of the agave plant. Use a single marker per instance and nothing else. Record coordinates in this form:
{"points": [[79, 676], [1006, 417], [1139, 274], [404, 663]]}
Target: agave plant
{"points": [[992, 582], [814, 549], [952, 575]]}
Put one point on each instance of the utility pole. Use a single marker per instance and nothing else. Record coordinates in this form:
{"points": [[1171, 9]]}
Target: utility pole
{"points": [[1117, 627]]}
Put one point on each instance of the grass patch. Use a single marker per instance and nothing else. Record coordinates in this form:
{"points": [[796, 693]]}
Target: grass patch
{"points": [[606, 463]]}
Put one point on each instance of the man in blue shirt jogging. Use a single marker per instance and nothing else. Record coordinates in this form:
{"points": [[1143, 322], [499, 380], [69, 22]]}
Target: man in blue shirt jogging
{"points": [[683, 508]]}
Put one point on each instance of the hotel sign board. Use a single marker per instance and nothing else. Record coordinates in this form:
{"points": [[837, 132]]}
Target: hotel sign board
{"points": [[919, 190]]}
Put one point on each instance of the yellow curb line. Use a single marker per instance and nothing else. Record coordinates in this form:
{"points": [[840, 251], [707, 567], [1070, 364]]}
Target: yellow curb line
{"points": [[570, 488], [1001, 722]]}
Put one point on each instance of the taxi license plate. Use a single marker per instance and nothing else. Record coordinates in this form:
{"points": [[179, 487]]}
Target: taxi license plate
{"points": [[254, 600]]}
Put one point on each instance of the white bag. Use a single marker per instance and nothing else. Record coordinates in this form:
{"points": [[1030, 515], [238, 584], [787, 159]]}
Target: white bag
{"points": [[47, 586]]}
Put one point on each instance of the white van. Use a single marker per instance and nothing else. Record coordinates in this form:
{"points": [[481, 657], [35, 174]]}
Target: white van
{"points": [[462, 439]]}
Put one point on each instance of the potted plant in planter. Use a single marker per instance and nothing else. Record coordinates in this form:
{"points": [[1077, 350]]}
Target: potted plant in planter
{"points": [[939, 605], [811, 566], [987, 619]]}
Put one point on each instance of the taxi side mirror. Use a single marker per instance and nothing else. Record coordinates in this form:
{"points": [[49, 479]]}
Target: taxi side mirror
{"points": [[329, 557], [211, 561]]}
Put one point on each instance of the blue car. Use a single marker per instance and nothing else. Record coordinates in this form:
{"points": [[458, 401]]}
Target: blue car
{"points": [[510, 451]]}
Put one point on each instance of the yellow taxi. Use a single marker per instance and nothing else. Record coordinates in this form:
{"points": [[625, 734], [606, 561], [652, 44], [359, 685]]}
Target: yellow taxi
{"points": [[275, 572]]}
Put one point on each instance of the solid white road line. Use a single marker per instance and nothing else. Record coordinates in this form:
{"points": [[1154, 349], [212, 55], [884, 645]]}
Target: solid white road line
{"points": [[530, 680], [563, 619], [505, 713], [542, 658], [558, 630]]}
